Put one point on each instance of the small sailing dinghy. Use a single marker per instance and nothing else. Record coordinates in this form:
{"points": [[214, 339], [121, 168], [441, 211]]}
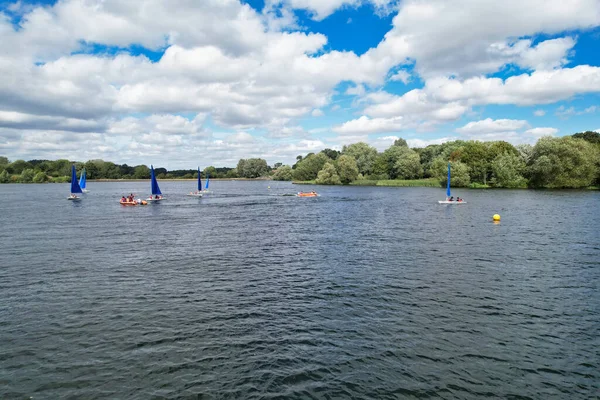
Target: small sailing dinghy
{"points": [[156, 194], [198, 192], [206, 186], [83, 181], [75, 188], [450, 199]]}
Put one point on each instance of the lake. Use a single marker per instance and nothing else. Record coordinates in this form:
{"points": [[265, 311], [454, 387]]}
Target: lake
{"points": [[363, 292]]}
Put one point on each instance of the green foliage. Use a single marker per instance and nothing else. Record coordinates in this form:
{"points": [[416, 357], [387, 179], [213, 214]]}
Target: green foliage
{"points": [[431, 182], [363, 154], [408, 165], [252, 168], [588, 136], [563, 162], [232, 173], [309, 167], [385, 162], [283, 173], [332, 154], [328, 175], [459, 172], [4, 161], [18, 166], [347, 169], [4, 177], [400, 142], [40, 177], [507, 171], [27, 175], [141, 172]]}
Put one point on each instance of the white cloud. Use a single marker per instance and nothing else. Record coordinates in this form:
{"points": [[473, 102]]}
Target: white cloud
{"points": [[489, 125], [321, 9], [401, 76], [564, 113], [539, 113], [364, 125], [443, 40], [539, 132], [445, 99], [317, 113]]}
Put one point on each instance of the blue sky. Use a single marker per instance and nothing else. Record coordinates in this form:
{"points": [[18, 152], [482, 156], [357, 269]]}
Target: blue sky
{"points": [[178, 84]]}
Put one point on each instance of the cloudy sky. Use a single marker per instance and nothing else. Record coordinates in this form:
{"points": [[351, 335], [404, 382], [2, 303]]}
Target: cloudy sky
{"points": [[181, 83]]}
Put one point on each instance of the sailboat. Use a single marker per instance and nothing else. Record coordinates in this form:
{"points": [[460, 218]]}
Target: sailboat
{"points": [[82, 181], [156, 194], [207, 182], [448, 201], [75, 188], [198, 192]]}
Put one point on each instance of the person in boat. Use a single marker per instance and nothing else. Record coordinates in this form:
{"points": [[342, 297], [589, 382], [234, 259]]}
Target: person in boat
{"points": [[458, 199], [451, 198], [123, 199], [73, 196]]}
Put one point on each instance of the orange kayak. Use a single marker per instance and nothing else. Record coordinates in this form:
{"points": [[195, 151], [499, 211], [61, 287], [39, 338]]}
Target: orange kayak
{"points": [[133, 203], [310, 194]]}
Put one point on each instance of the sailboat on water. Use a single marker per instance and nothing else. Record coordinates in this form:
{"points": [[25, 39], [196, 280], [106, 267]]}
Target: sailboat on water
{"points": [[156, 194], [207, 182], [75, 188], [198, 192], [449, 198], [83, 181]]}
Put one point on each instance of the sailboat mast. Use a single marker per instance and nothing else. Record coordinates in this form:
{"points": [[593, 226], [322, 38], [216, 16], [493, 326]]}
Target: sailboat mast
{"points": [[448, 183]]}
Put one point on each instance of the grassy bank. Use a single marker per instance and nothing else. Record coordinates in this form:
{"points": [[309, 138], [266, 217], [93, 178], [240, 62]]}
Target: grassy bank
{"points": [[431, 182]]}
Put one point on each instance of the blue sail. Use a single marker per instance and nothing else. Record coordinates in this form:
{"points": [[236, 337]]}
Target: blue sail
{"points": [[154, 184], [448, 184], [199, 180], [82, 180], [206, 187], [75, 188]]}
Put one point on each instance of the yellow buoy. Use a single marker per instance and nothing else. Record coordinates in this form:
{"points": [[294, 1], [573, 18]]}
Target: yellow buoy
{"points": [[496, 217]]}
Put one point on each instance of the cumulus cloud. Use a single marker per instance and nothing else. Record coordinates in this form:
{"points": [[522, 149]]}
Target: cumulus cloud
{"points": [[489, 125], [365, 125], [539, 113], [539, 132]]}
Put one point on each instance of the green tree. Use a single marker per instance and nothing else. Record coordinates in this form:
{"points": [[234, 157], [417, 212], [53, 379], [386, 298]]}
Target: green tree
{"points": [[232, 173], [408, 165], [564, 162], [18, 166], [252, 168], [347, 169], [40, 177], [477, 158], [328, 175], [507, 171], [400, 142], [525, 151], [4, 177], [141, 172], [309, 167], [209, 171], [332, 154], [459, 172], [27, 176], [589, 136], [385, 162], [283, 173], [363, 154], [4, 161]]}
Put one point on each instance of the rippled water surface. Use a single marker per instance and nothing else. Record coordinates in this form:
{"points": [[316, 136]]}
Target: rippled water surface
{"points": [[363, 292]]}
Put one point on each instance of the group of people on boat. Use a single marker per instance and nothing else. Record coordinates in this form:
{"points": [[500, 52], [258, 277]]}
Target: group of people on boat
{"points": [[130, 199], [458, 199]]}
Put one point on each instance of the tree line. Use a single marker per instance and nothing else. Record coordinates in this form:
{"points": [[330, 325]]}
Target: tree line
{"points": [[40, 171], [563, 162]]}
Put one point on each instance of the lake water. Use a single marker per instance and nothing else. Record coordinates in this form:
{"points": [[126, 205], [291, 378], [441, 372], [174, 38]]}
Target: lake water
{"points": [[364, 292]]}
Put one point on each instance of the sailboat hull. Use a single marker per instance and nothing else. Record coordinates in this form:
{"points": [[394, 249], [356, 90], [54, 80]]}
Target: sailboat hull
{"points": [[154, 200], [195, 194], [451, 202]]}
